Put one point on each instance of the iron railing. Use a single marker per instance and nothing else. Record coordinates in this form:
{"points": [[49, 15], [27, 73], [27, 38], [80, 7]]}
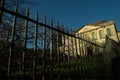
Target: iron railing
{"points": [[50, 54]]}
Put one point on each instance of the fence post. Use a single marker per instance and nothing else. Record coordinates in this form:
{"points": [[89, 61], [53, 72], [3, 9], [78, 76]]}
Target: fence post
{"points": [[12, 43], [25, 42], [44, 48], [35, 48]]}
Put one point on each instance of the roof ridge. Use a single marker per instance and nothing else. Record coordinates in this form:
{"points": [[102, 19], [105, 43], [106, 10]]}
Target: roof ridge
{"points": [[98, 22]]}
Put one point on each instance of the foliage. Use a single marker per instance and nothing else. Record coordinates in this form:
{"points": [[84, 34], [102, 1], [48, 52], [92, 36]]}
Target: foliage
{"points": [[87, 66]]}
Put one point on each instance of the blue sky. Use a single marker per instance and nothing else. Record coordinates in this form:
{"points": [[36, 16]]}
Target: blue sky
{"points": [[76, 13]]}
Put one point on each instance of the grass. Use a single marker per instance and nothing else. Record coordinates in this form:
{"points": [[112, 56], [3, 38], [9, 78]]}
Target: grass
{"points": [[92, 66], [87, 66]]}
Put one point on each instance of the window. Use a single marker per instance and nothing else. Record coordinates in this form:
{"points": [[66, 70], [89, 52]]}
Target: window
{"points": [[101, 34], [94, 36], [85, 36], [108, 32]]}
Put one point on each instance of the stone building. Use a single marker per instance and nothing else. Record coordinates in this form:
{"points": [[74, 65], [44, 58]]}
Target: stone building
{"points": [[119, 36], [98, 31], [95, 33]]}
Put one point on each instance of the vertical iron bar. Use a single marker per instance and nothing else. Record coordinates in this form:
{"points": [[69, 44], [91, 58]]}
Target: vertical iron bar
{"points": [[35, 48], [25, 42], [51, 48], [81, 52], [83, 57], [1, 12], [72, 45], [75, 54], [58, 51], [68, 57], [12, 43], [79, 44], [98, 60], [76, 60], [44, 48], [64, 46]]}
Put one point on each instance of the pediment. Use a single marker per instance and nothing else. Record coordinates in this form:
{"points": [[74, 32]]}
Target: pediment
{"points": [[87, 28]]}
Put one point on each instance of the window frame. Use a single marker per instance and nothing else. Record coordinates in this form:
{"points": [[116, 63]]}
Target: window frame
{"points": [[94, 35], [101, 34], [108, 30]]}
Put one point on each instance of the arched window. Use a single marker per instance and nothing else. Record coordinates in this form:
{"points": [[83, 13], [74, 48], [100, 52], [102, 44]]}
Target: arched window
{"points": [[101, 34], [108, 32], [94, 36]]}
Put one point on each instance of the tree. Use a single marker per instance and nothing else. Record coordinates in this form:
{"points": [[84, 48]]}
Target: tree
{"points": [[7, 20], [6, 26]]}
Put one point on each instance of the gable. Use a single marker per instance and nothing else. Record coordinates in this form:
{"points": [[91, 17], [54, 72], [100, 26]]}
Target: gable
{"points": [[86, 28]]}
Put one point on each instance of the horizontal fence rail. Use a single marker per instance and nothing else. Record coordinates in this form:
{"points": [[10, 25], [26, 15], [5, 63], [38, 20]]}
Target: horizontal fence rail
{"points": [[35, 50], [42, 24]]}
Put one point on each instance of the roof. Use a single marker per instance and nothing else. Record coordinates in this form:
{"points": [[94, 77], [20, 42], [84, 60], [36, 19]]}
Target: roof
{"points": [[98, 23], [74, 31]]}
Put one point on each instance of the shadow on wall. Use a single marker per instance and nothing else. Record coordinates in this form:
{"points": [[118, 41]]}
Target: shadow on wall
{"points": [[115, 68]]}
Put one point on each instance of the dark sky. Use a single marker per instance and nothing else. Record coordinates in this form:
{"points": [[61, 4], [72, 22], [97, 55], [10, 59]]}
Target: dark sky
{"points": [[76, 13]]}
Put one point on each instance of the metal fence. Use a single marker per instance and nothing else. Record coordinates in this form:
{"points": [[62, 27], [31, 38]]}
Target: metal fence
{"points": [[38, 51]]}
